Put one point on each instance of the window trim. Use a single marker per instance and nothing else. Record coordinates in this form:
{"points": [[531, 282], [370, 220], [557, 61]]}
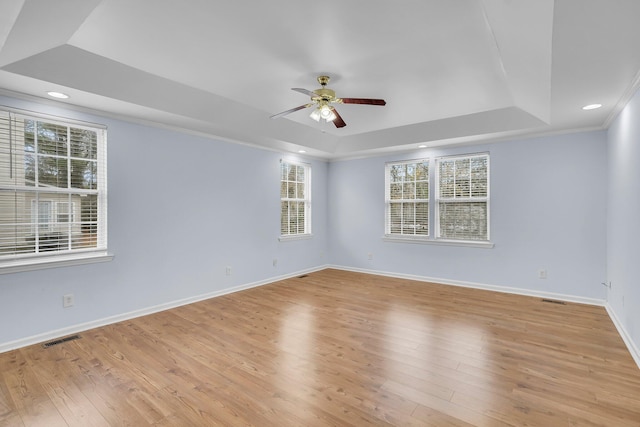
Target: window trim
{"points": [[291, 237], [308, 233], [29, 262], [442, 242], [53, 261]]}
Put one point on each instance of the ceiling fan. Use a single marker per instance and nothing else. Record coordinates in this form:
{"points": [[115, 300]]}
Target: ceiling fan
{"points": [[322, 99]]}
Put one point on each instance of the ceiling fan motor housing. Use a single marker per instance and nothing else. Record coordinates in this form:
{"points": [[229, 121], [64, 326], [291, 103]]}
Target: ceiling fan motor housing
{"points": [[324, 94]]}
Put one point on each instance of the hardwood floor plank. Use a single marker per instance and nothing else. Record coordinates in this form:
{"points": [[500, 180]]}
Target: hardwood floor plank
{"points": [[444, 406], [72, 404], [9, 415], [431, 417], [31, 400], [335, 348]]}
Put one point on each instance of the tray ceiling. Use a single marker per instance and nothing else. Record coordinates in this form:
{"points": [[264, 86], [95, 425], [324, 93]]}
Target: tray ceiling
{"points": [[454, 71]]}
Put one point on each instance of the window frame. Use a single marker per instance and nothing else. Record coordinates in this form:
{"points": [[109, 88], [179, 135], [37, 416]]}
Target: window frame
{"points": [[306, 201], [438, 200], [14, 262], [389, 201], [433, 234]]}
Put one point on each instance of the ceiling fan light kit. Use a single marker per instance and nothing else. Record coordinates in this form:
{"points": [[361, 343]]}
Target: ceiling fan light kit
{"points": [[323, 112], [315, 114], [322, 99]]}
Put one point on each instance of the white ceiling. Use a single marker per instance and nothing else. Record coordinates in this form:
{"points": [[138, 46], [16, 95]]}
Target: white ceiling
{"points": [[451, 71]]}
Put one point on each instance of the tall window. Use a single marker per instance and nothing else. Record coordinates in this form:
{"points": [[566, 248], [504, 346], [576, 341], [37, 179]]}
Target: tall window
{"points": [[295, 199], [52, 188], [463, 198], [407, 198]]}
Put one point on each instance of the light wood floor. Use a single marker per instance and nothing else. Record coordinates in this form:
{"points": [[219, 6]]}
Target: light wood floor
{"points": [[335, 348]]}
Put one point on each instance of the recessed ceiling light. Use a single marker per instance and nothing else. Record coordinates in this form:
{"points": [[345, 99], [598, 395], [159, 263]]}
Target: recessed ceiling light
{"points": [[59, 95], [302, 151], [422, 146], [591, 106]]}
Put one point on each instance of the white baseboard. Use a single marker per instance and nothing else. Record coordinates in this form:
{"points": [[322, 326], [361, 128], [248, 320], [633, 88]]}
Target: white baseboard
{"points": [[633, 349], [75, 329], [475, 285]]}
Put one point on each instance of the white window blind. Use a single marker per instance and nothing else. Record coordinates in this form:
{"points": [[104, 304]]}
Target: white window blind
{"points": [[295, 199], [407, 198], [462, 198], [53, 184]]}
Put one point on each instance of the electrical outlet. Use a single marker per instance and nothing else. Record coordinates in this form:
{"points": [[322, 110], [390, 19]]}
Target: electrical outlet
{"points": [[228, 270], [275, 262], [67, 301], [370, 256], [542, 274]]}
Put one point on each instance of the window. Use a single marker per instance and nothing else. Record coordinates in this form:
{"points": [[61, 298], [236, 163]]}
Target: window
{"points": [[407, 198], [48, 213], [295, 199], [455, 193], [462, 198], [65, 212], [52, 190]]}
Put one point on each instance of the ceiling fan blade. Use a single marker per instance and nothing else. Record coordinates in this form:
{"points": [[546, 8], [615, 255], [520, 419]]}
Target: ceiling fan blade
{"points": [[367, 101], [304, 91], [338, 120], [284, 113]]}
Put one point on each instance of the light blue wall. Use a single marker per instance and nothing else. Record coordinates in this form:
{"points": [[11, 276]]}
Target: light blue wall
{"points": [[547, 212], [623, 222], [181, 209]]}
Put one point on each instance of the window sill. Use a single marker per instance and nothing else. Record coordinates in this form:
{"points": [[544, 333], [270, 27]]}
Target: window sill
{"points": [[295, 237], [442, 242], [40, 263]]}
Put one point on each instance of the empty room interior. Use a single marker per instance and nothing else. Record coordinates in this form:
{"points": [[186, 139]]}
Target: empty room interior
{"points": [[287, 213]]}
